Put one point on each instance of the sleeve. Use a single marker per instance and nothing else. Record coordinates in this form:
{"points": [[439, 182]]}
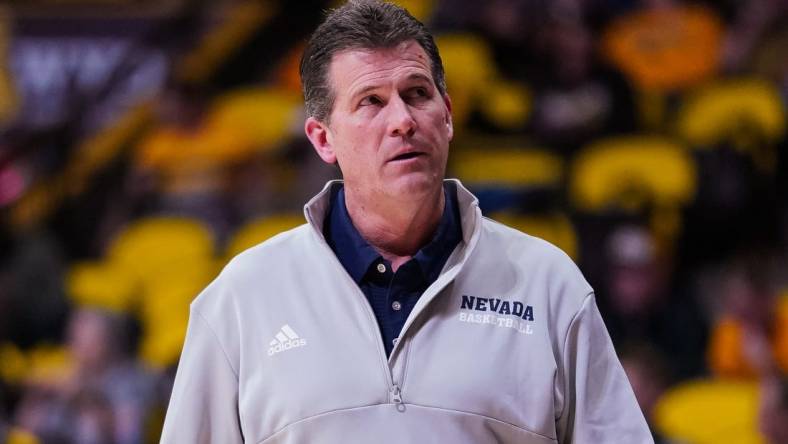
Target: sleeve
{"points": [[599, 405], [204, 402]]}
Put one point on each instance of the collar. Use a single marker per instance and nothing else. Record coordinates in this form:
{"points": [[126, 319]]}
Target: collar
{"points": [[317, 209], [356, 255]]}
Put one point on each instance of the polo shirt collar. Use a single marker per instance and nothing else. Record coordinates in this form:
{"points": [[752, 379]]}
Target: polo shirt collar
{"points": [[356, 255]]}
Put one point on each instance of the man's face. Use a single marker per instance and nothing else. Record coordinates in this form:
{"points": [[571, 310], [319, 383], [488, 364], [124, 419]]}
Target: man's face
{"points": [[390, 127]]}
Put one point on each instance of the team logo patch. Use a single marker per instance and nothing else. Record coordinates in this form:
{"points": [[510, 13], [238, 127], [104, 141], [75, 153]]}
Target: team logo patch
{"points": [[286, 339], [498, 312]]}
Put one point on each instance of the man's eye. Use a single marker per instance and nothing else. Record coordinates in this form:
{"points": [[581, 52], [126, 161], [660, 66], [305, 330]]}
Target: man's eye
{"points": [[418, 93], [370, 100]]}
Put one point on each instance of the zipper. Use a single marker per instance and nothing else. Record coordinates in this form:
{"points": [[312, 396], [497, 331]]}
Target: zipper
{"points": [[395, 393], [396, 397]]}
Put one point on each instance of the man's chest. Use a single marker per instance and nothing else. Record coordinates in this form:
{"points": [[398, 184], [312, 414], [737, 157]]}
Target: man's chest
{"points": [[464, 350]]}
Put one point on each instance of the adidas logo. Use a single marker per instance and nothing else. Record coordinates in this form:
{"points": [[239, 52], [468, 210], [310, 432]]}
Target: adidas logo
{"points": [[285, 340]]}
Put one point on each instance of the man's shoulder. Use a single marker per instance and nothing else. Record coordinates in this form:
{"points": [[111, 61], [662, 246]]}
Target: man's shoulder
{"points": [[264, 262], [542, 264], [527, 244], [272, 250]]}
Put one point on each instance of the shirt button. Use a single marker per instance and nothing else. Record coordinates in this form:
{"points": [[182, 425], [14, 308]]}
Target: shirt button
{"points": [[394, 341], [396, 305], [381, 268]]}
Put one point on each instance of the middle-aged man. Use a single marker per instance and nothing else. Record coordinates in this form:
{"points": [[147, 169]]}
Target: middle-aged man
{"points": [[398, 313]]}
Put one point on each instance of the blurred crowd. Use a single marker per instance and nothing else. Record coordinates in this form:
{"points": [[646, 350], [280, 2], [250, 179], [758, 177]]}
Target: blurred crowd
{"points": [[646, 138]]}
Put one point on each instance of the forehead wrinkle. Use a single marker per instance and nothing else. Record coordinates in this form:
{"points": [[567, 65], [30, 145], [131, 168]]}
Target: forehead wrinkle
{"points": [[381, 78], [391, 59]]}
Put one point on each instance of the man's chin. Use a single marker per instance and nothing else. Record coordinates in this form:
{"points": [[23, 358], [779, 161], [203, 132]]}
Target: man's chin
{"points": [[414, 186]]}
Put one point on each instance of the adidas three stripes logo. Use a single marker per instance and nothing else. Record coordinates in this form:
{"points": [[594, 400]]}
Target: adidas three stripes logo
{"points": [[285, 339]]}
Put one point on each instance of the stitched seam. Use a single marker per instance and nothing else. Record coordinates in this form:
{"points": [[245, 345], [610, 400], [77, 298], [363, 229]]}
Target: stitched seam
{"points": [[406, 365], [309, 418], [563, 351], [330, 412], [486, 417], [216, 337]]}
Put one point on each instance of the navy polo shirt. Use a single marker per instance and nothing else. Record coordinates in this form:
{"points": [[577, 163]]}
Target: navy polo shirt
{"points": [[392, 296]]}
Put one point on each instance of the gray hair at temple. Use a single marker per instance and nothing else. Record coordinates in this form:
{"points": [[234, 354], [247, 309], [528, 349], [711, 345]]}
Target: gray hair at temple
{"points": [[359, 24]]}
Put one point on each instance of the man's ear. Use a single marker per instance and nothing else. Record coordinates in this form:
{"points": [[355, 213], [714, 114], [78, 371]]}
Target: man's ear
{"points": [[320, 135], [449, 123]]}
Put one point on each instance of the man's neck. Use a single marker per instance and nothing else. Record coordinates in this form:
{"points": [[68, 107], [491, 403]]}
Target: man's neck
{"points": [[397, 229]]}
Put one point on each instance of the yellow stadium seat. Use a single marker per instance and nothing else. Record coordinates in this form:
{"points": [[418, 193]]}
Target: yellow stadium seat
{"points": [[628, 172], [238, 126], [510, 167], [160, 246], [267, 116], [747, 114], [170, 260], [163, 340], [176, 152], [164, 312], [18, 436], [103, 284], [715, 111], [469, 67], [13, 364], [710, 412], [506, 104], [473, 81], [555, 228], [49, 364], [259, 230]]}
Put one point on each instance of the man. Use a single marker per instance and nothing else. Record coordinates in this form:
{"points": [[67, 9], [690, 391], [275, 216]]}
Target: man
{"points": [[397, 314]]}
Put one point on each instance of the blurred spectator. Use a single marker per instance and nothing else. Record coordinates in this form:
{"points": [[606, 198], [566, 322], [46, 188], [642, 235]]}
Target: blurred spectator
{"points": [[773, 409], [94, 418], [639, 306], [752, 20], [107, 396], [577, 97], [750, 335]]}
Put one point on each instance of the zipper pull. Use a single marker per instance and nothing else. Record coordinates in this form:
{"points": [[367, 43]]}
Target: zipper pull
{"points": [[396, 398]]}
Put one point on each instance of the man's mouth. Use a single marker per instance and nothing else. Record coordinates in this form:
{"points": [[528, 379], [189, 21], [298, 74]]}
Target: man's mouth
{"points": [[406, 156]]}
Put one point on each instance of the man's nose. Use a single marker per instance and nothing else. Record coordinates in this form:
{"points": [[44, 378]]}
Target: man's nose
{"points": [[401, 121]]}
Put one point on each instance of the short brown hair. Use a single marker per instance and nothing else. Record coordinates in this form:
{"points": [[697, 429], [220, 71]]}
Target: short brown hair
{"points": [[359, 24]]}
